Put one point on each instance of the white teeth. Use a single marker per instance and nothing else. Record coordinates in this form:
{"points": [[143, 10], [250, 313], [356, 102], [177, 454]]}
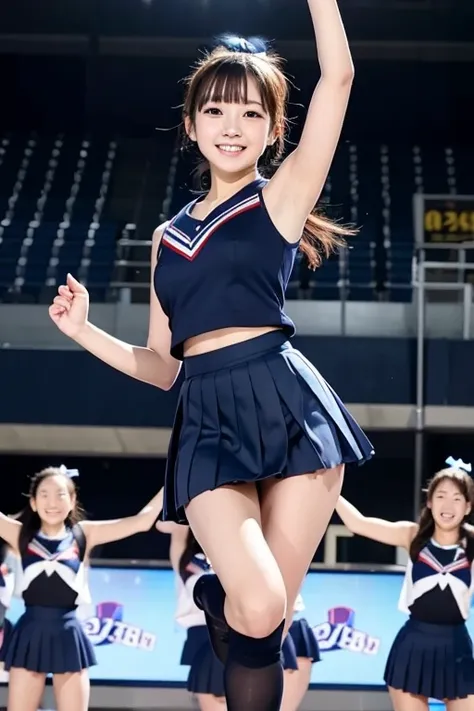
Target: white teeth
{"points": [[231, 149]]}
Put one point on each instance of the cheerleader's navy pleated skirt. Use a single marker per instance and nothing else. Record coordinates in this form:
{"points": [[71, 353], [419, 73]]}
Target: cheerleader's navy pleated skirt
{"points": [[306, 644], [206, 675], [250, 411], [430, 660], [289, 660], [5, 633], [49, 640]]}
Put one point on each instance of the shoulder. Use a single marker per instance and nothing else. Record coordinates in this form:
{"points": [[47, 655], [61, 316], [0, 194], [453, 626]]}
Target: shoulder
{"points": [[413, 530], [156, 240], [159, 232]]}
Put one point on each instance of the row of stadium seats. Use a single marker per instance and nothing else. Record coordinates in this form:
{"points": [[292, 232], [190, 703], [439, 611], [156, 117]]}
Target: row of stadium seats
{"points": [[53, 191], [372, 186], [54, 216]]}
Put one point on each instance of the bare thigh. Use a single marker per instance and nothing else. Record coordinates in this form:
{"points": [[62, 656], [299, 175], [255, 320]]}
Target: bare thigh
{"points": [[208, 702], [72, 691], [25, 690], [295, 515], [227, 524], [403, 701], [466, 704]]}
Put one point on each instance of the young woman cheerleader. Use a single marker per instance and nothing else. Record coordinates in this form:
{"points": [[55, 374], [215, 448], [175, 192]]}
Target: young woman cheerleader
{"points": [[306, 651], [53, 543], [431, 656], [260, 440], [206, 673]]}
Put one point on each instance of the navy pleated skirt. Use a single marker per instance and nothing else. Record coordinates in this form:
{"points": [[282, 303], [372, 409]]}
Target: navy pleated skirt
{"points": [[305, 641], [5, 633], [288, 654], [430, 660], [49, 640], [206, 675], [250, 411]]}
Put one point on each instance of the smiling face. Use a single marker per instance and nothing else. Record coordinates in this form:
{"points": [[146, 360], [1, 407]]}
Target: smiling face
{"points": [[233, 136], [53, 500], [235, 110], [448, 505]]}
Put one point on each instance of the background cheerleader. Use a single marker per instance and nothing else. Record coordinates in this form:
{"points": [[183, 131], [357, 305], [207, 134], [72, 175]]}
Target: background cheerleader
{"points": [[6, 589], [306, 651], [206, 673], [432, 654], [53, 545]]}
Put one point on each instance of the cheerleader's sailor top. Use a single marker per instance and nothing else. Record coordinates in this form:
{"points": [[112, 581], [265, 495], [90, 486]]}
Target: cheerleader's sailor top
{"points": [[52, 571], [438, 586], [299, 605], [187, 613]]}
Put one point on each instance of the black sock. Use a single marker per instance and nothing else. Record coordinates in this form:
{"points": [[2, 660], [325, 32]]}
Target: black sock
{"points": [[253, 674], [209, 596]]}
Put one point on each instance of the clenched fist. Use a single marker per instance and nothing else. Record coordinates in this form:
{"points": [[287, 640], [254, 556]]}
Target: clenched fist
{"points": [[70, 307]]}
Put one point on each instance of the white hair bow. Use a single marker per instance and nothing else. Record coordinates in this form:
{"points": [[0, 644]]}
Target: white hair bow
{"points": [[459, 464], [70, 473]]}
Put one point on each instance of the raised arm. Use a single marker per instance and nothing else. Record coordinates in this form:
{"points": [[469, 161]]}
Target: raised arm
{"points": [[100, 532], [152, 364], [10, 531], [398, 533], [295, 188]]}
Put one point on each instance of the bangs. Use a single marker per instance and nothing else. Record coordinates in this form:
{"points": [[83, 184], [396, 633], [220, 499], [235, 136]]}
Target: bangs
{"points": [[460, 480], [227, 82]]}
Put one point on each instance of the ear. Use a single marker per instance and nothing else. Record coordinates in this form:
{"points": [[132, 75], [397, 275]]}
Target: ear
{"points": [[272, 137], [189, 128], [468, 508], [73, 501], [33, 506], [428, 504]]}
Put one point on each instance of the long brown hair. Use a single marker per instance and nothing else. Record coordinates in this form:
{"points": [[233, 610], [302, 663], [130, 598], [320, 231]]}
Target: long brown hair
{"points": [[426, 524], [222, 75]]}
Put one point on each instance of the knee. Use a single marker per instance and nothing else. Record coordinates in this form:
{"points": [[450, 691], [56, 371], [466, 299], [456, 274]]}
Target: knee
{"points": [[257, 613]]}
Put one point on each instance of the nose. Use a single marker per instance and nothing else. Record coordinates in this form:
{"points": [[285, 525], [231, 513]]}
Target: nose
{"points": [[232, 130]]}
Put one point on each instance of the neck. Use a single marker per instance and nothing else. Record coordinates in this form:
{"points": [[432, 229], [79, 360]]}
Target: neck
{"points": [[53, 531], [224, 185], [446, 538]]}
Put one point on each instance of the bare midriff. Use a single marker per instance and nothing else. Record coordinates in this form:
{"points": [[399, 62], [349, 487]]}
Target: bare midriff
{"points": [[213, 340]]}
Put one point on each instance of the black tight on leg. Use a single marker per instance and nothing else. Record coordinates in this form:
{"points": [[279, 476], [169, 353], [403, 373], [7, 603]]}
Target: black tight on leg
{"points": [[209, 596], [253, 676]]}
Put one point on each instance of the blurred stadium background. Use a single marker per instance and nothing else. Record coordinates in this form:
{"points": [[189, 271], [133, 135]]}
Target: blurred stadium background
{"points": [[90, 163]]}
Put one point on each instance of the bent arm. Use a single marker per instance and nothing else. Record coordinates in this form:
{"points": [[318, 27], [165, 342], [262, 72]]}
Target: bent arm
{"points": [[398, 533], [152, 364], [100, 532]]}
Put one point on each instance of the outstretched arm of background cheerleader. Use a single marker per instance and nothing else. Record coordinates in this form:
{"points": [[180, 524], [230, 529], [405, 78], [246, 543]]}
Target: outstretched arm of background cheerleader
{"points": [[179, 537], [100, 532], [10, 531], [295, 188], [393, 533]]}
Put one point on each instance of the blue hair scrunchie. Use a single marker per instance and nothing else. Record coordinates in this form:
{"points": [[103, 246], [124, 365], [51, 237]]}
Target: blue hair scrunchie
{"points": [[253, 45]]}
